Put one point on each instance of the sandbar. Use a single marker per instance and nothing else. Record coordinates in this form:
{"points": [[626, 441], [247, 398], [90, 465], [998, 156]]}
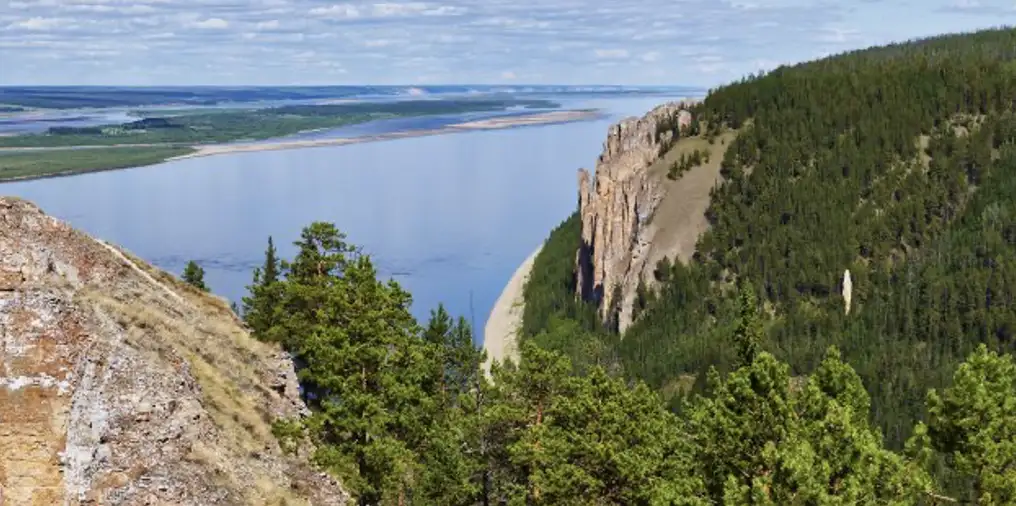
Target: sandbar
{"points": [[543, 118]]}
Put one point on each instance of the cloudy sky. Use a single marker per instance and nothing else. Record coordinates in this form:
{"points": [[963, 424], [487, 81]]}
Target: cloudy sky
{"points": [[690, 42]]}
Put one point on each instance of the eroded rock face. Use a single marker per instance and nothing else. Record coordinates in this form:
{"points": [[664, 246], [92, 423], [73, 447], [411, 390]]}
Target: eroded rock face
{"points": [[615, 207], [120, 385]]}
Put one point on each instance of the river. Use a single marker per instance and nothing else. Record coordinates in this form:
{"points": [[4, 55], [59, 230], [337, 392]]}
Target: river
{"points": [[449, 217]]}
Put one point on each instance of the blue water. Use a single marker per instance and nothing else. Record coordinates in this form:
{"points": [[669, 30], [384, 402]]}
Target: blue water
{"points": [[448, 216]]}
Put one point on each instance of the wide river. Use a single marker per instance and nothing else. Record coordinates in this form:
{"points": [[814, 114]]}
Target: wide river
{"points": [[450, 217]]}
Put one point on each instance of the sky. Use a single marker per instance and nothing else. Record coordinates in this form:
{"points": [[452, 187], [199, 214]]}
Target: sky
{"points": [[314, 42]]}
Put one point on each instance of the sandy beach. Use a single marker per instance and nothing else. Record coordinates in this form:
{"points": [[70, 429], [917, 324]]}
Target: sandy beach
{"points": [[543, 118], [499, 335]]}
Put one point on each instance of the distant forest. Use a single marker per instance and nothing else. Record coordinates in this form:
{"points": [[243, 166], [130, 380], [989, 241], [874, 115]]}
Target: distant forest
{"points": [[897, 163]]}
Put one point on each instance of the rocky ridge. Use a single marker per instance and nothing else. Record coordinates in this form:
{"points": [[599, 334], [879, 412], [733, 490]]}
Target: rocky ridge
{"points": [[615, 206], [121, 385]]}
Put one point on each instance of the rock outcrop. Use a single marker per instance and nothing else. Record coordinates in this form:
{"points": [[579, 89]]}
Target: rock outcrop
{"points": [[615, 207], [121, 385]]}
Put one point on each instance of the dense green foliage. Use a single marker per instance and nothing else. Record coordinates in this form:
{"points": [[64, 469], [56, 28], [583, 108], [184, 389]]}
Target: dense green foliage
{"points": [[555, 320], [194, 275], [258, 308], [252, 124], [65, 162], [897, 163], [403, 414]]}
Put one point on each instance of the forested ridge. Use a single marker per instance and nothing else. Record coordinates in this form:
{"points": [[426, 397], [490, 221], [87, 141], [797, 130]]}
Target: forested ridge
{"points": [[743, 381], [897, 163], [402, 413]]}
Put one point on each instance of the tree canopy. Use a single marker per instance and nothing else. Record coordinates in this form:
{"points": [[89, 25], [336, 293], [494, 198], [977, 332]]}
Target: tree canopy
{"points": [[402, 413]]}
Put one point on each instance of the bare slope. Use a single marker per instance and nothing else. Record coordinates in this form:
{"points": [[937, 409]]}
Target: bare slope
{"points": [[121, 385], [680, 218]]}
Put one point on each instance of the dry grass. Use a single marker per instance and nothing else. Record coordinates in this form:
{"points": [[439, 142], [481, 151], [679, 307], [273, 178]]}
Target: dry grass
{"points": [[224, 360], [680, 219]]}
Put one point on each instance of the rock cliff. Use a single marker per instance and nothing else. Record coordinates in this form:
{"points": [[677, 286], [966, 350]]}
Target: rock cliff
{"points": [[616, 205], [121, 385]]}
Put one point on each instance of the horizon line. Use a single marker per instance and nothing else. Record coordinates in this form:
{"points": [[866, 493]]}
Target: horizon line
{"points": [[515, 85]]}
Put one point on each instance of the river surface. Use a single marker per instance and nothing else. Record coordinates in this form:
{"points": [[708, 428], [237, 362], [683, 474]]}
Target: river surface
{"points": [[450, 217]]}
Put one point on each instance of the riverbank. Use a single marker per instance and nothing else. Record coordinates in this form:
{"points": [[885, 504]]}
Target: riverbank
{"points": [[24, 163], [500, 334]]}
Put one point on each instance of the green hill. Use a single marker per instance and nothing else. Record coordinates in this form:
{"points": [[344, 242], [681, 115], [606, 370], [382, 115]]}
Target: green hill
{"points": [[897, 163]]}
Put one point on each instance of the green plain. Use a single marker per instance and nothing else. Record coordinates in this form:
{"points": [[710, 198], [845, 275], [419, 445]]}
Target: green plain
{"points": [[19, 165]]}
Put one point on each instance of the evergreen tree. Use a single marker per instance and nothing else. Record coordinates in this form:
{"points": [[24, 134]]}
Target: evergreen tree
{"points": [[402, 415], [749, 334], [363, 373], [453, 467], [264, 295], [973, 422], [761, 441], [314, 278], [194, 275]]}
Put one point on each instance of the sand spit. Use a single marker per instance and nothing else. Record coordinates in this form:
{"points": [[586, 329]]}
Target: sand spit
{"points": [[499, 335], [544, 118]]}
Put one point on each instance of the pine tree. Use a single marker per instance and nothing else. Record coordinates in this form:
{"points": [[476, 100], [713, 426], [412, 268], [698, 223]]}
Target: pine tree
{"points": [[194, 275], [313, 281], [359, 358], [749, 335], [265, 295], [452, 458], [760, 441], [973, 422]]}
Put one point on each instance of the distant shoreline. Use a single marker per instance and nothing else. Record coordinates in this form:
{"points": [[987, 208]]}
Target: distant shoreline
{"points": [[200, 150], [498, 123]]}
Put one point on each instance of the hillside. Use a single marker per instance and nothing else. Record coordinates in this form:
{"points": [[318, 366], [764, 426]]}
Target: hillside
{"points": [[121, 385], [896, 163]]}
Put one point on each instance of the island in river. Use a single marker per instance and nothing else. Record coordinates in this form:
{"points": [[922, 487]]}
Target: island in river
{"points": [[67, 150]]}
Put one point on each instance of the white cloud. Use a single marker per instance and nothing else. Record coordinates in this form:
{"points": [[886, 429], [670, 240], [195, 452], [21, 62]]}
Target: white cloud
{"points": [[611, 53], [508, 75], [394, 9], [448, 38], [337, 11], [384, 10], [211, 24], [704, 42], [38, 23]]}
